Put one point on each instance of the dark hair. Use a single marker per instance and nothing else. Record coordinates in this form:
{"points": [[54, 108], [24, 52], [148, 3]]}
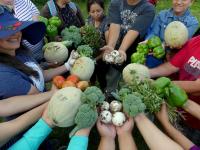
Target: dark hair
{"points": [[90, 2], [15, 63]]}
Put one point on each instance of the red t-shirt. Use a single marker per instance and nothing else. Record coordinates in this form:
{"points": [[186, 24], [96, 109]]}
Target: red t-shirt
{"points": [[188, 62]]}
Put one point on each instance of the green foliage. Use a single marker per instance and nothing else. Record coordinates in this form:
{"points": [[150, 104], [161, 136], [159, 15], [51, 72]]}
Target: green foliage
{"points": [[85, 50], [133, 105], [86, 117], [91, 36], [72, 34], [92, 96]]}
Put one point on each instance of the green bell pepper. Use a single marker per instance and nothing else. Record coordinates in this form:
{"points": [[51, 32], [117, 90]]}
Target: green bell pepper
{"points": [[138, 58], [154, 42], [158, 52], [160, 85], [52, 32], [43, 19], [143, 48], [55, 21], [176, 97]]}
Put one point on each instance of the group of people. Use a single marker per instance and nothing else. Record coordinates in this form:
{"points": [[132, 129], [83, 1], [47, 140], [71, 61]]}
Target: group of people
{"points": [[23, 98]]}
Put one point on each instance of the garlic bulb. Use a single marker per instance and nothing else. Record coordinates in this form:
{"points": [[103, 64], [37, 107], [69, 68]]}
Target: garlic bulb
{"points": [[115, 106], [106, 116], [118, 119]]}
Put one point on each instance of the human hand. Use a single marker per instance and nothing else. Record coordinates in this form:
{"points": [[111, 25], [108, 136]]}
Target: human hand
{"points": [[162, 115], [106, 130], [46, 118], [126, 128], [107, 49], [123, 55], [53, 88], [83, 132], [69, 62]]}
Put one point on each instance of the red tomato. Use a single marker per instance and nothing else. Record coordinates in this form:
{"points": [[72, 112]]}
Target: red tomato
{"points": [[68, 84], [73, 78], [58, 81]]}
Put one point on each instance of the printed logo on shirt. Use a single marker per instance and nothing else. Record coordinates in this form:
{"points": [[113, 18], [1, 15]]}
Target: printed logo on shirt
{"points": [[193, 66], [38, 82], [128, 18]]}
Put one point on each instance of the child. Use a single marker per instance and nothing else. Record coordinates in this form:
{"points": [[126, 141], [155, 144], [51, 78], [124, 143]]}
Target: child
{"points": [[97, 17]]}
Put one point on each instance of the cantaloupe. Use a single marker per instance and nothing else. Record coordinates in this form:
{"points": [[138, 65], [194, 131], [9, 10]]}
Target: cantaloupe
{"points": [[64, 105], [83, 68], [176, 34]]}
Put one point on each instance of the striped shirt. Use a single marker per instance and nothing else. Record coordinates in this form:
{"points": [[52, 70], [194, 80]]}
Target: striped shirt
{"points": [[24, 11]]}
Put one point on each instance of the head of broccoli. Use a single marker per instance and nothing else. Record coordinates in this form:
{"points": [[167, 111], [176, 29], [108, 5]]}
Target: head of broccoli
{"points": [[133, 105], [85, 117], [85, 50], [92, 96]]}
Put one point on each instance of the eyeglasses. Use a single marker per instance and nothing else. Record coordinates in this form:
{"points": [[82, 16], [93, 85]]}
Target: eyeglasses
{"points": [[3, 8]]}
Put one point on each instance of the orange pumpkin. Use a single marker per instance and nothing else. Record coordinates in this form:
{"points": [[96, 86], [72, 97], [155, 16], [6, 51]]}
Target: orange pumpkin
{"points": [[58, 81]]}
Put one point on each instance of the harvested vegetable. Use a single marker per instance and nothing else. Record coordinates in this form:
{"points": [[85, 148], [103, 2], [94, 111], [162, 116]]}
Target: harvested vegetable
{"points": [[82, 85], [64, 105], [93, 96], [106, 116], [85, 50], [118, 119], [86, 117], [83, 68], [58, 81], [56, 51]]}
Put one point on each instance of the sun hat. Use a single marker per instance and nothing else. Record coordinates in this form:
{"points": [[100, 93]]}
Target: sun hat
{"points": [[32, 31]]}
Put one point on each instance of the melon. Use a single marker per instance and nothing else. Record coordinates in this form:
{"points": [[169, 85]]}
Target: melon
{"points": [[176, 34], [134, 70], [83, 68], [64, 105], [56, 52]]}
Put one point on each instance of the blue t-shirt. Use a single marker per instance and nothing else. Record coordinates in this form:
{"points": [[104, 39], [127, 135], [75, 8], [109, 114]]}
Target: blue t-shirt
{"points": [[160, 23], [14, 82]]}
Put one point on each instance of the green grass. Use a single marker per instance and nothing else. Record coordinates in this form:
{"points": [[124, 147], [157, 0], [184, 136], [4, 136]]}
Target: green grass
{"points": [[162, 4]]}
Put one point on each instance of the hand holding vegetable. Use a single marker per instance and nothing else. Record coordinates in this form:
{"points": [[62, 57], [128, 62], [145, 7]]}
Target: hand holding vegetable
{"points": [[126, 128], [106, 130], [176, 96], [162, 115]]}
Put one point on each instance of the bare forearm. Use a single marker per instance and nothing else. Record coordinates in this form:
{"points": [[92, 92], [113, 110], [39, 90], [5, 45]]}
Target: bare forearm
{"points": [[154, 138], [177, 136], [126, 142], [107, 144], [162, 70], [128, 40], [50, 73], [192, 108], [23, 103], [113, 35], [189, 86], [14, 127]]}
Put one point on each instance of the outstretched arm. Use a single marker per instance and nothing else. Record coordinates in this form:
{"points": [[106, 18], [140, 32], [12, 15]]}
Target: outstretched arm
{"points": [[154, 138], [192, 108], [171, 131], [12, 128], [125, 135]]}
